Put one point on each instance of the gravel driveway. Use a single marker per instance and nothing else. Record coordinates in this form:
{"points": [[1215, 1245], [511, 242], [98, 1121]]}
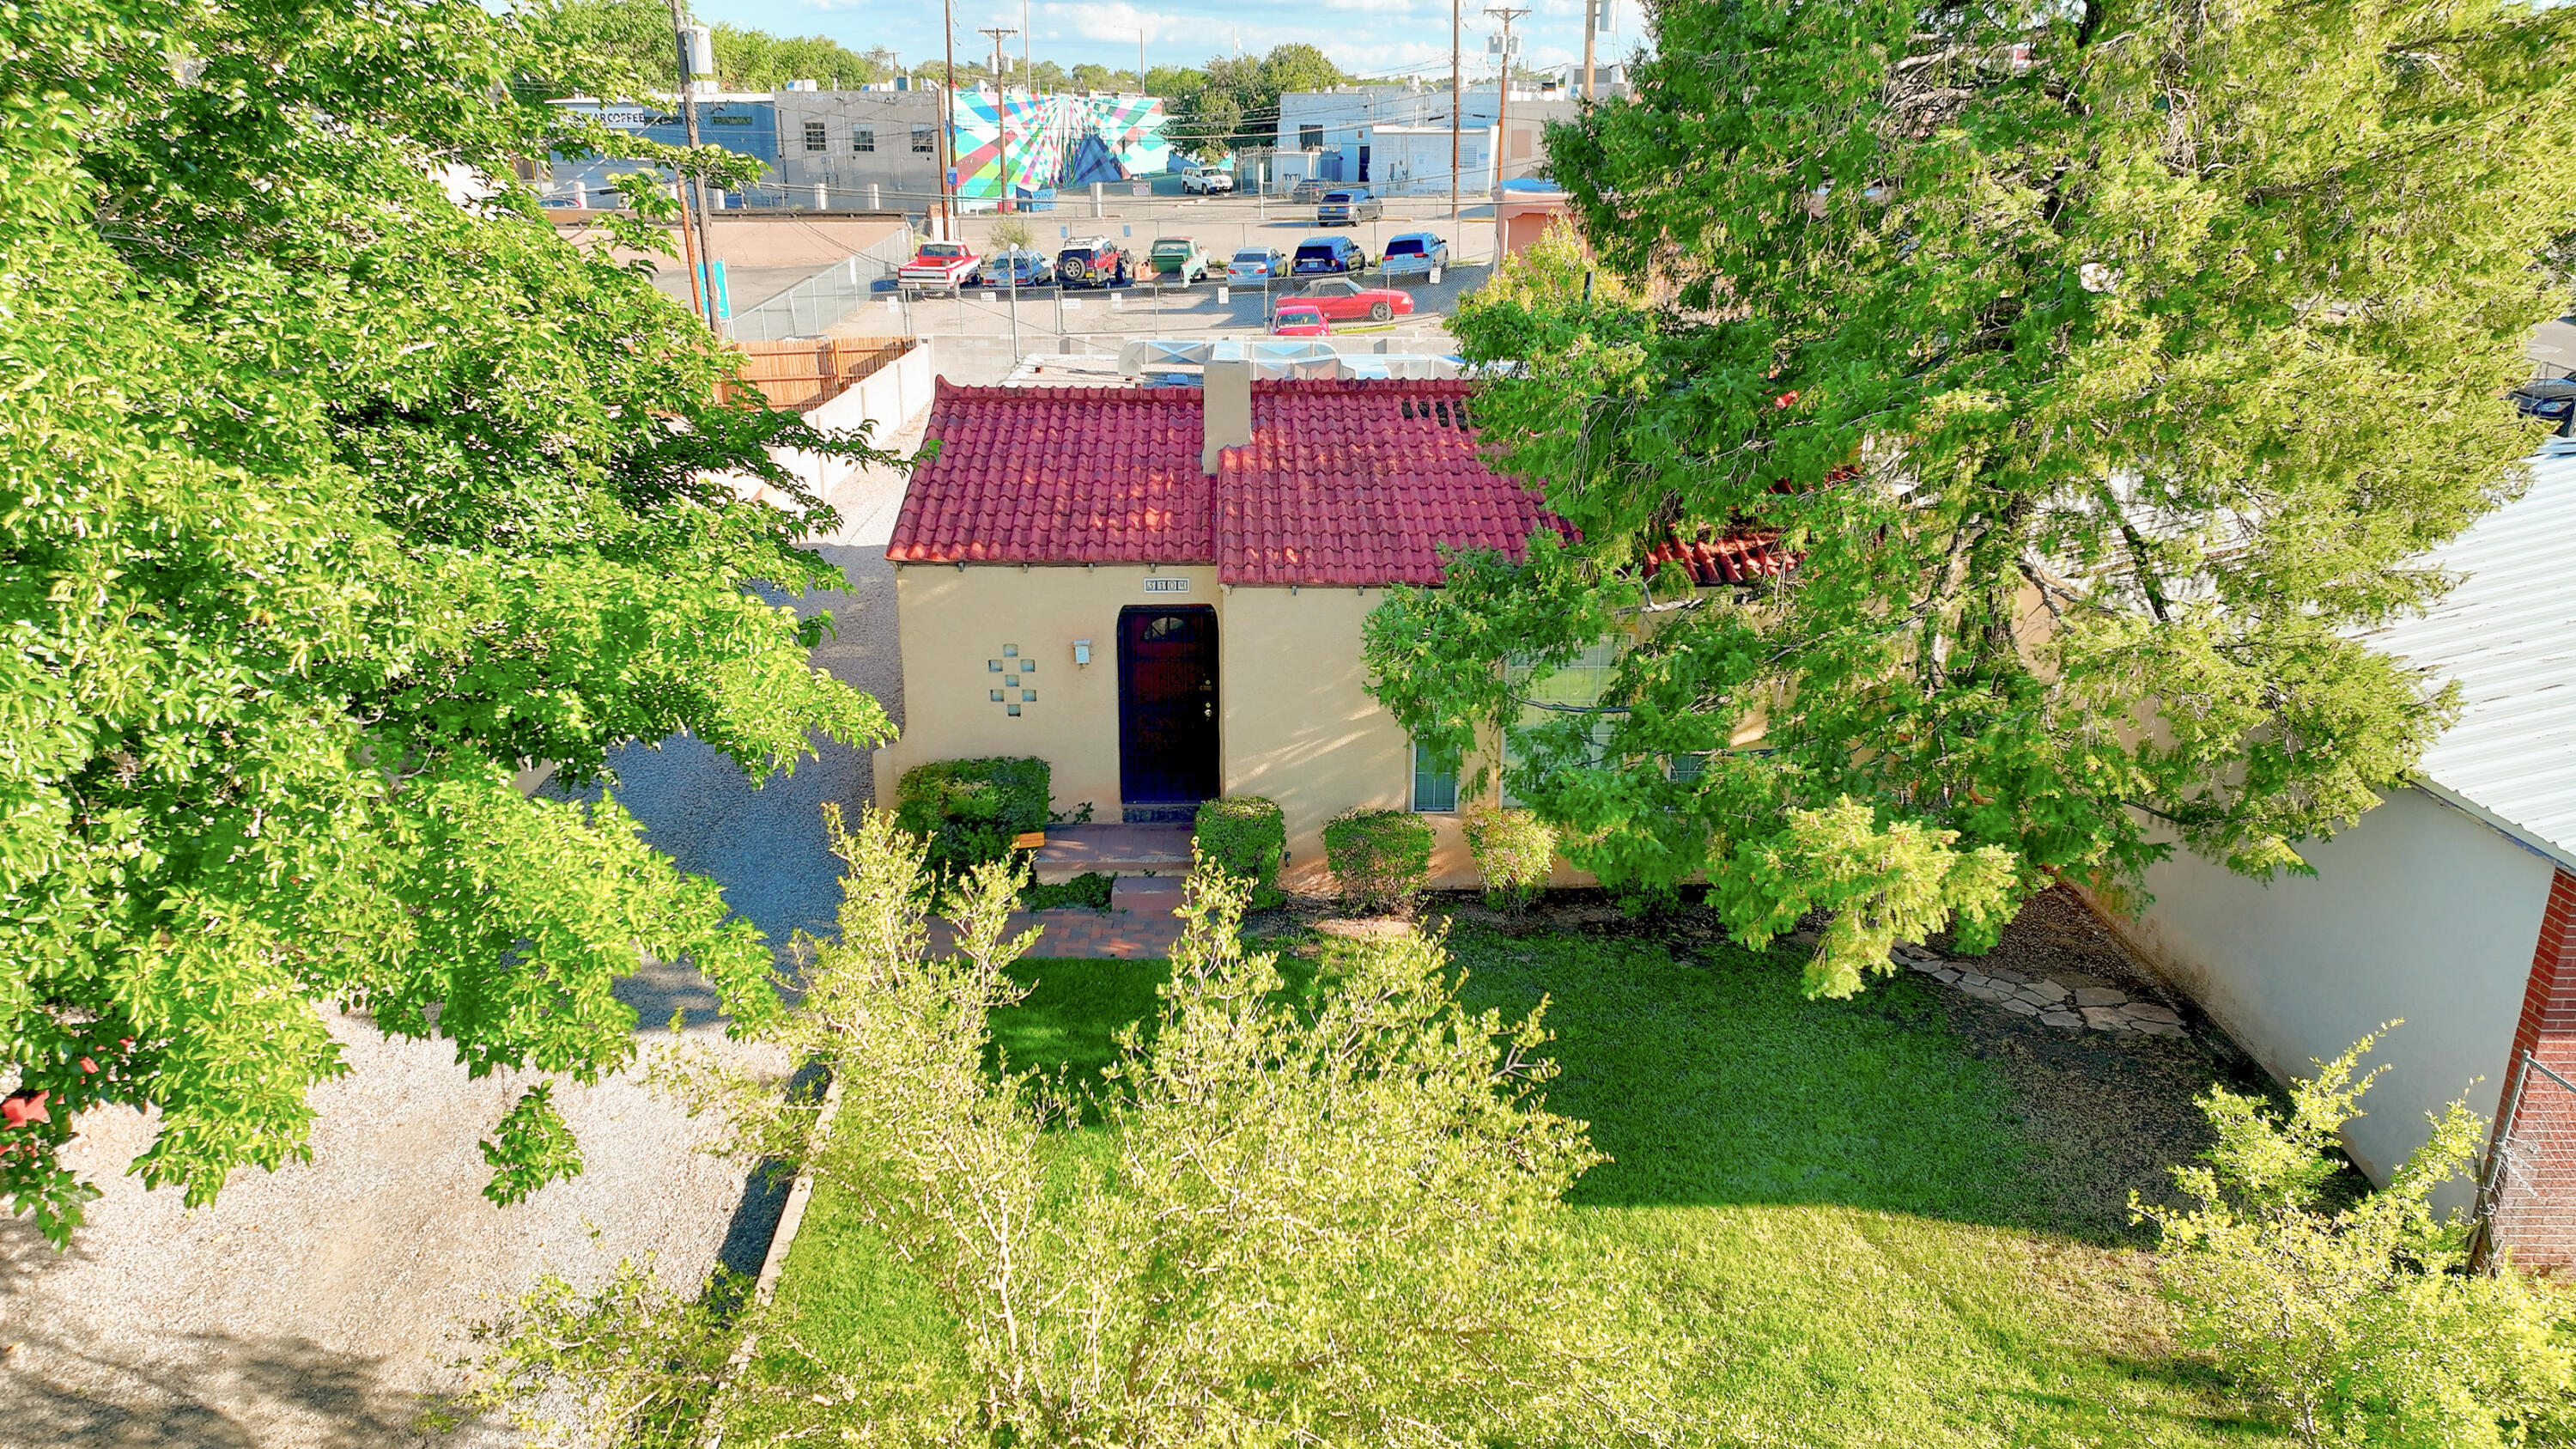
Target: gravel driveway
{"points": [[314, 1306]]}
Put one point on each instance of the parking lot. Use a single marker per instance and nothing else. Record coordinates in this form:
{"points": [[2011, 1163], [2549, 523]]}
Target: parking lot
{"points": [[997, 326]]}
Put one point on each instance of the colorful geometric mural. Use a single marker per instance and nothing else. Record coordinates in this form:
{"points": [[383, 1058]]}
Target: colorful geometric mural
{"points": [[1051, 141]]}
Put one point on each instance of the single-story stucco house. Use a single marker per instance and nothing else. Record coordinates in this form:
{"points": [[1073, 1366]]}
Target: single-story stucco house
{"points": [[2450, 905], [1160, 590]]}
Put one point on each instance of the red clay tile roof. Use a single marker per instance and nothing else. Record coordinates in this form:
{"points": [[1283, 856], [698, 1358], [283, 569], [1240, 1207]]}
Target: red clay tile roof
{"points": [[1355, 482], [1060, 476], [1362, 482], [1738, 556]]}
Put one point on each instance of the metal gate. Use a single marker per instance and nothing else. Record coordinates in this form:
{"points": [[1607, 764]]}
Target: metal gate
{"points": [[2527, 1195]]}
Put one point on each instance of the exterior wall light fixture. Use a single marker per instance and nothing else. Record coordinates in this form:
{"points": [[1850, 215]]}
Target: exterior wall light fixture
{"points": [[1082, 651]]}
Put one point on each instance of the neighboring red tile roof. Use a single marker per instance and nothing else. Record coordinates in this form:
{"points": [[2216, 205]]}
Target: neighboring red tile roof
{"points": [[1362, 482], [1060, 476], [1735, 557]]}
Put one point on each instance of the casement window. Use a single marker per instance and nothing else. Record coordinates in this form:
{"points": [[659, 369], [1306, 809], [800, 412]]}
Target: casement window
{"points": [[863, 141], [1435, 789], [1578, 684], [925, 140], [817, 138]]}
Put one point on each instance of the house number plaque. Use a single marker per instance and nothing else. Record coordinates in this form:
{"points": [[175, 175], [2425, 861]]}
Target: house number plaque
{"points": [[1167, 586]]}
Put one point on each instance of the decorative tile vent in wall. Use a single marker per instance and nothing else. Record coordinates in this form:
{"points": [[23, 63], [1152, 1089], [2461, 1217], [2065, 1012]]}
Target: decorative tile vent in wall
{"points": [[1016, 677]]}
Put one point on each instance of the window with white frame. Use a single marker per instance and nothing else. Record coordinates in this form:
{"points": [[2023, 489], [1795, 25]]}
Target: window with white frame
{"points": [[863, 140], [1578, 684], [1435, 786], [1310, 138], [817, 136]]}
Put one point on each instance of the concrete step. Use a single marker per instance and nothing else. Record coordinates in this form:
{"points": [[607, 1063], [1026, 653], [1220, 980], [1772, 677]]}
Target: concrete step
{"points": [[1121, 850], [1147, 895]]}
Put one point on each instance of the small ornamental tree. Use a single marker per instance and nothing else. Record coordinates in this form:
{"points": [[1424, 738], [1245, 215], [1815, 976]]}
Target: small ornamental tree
{"points": [[1186, 1274], [1515, 851], [2092, 371], [328, 504], [2352, 1318]]}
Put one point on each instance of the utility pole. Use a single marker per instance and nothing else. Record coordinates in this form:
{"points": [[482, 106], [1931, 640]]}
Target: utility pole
{"points": [[1001, 110], [1140, 62], [1028, 72], [946, 153], [1591, 23], [702, 292], [1457, 104], [1503, 119]]}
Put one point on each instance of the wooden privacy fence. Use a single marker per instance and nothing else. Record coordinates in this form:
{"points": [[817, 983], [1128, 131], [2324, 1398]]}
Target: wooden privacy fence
{"points": [[805, 373]]}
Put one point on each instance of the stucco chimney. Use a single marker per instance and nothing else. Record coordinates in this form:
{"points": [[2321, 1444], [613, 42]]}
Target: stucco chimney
{"points": [[1225, 409]]}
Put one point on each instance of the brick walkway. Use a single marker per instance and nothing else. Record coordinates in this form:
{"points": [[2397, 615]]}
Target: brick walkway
{"points": [[1087, 935]]}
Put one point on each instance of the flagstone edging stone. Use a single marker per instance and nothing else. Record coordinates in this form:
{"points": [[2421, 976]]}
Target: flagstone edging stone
{"points": [[2093, 1008]]}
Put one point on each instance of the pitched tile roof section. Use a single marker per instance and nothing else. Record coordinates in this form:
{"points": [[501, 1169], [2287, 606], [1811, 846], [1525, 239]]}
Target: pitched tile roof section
{"points": [[1060, 476], [1362, 482], [1713, 559]]}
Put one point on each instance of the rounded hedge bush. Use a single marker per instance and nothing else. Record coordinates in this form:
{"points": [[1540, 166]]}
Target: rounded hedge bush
{"points": [[1247, 836], [1380, 857], [968, 810], [1514, 852]]}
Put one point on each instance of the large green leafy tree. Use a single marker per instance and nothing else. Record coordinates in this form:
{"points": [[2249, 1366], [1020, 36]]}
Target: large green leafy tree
{"points": [[636, 36], [327, 505], [2098, 367]]}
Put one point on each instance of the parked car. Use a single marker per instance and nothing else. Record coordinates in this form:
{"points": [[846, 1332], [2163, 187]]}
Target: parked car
{"points": [[1299, 319], [2551, 402], [1207, 181], [938, 264], [1308, 192], [1017, 267], [1415, 252], [1350, 204], [1342, 299], [1091, 262], [1322, 255], [1178, 257], [1257, 264]]}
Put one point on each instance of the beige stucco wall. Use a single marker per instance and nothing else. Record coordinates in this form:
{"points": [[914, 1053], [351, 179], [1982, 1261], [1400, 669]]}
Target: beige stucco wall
{"points": [[1296, 721], [954, 621], [2418, 912]]}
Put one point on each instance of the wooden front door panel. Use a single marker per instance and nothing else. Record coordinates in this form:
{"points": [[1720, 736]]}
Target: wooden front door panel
{"points": [[1167, 703]]}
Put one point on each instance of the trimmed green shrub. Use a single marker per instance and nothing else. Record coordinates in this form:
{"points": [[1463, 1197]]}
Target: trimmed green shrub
{"points": [[1381, 857], [968, 810], [1514, 851], [1247, 837]]}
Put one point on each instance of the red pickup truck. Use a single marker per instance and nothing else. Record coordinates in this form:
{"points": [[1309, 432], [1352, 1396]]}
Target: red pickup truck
{"points": [[943, 264]]}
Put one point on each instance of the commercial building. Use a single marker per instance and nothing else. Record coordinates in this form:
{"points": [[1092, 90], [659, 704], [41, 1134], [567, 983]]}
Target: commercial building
{"points": [[1336, 135]]}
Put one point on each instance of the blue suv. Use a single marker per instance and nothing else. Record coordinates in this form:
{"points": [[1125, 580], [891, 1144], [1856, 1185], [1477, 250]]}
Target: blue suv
{"points": [[1325, 255]]}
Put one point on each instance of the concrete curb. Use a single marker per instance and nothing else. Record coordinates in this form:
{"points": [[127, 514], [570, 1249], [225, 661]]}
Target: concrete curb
{"points": [[773, 1264]]}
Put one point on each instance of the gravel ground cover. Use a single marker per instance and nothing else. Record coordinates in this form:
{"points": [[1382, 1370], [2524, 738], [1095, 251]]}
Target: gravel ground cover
{"points": [[320, 1304]]}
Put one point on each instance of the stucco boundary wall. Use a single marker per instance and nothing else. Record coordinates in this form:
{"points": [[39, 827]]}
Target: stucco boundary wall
{"points": [[886, 398], [2418, 912]]}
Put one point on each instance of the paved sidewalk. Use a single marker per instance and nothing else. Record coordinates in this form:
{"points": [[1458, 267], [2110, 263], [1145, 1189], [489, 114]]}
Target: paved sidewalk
{"points": [[1079, 935]]}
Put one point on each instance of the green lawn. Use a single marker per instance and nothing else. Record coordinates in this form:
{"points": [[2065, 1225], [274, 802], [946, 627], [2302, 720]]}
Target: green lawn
{"points": [[1843, 1210]]}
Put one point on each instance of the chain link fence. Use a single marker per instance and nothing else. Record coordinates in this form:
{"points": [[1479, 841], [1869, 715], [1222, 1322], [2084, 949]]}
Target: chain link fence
{"points": [[2527, 1196], [827, 298]]}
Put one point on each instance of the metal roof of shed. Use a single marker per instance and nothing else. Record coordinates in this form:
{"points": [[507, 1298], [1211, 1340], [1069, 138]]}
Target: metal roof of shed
{"points": [[2508, 635]]}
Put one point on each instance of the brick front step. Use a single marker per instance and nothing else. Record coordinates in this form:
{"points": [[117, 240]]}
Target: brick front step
{"points": [[1120, 850], [1147, 895]]}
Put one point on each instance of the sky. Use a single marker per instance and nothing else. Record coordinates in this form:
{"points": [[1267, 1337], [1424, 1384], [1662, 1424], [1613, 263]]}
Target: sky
{"points": [[1369, 38]]}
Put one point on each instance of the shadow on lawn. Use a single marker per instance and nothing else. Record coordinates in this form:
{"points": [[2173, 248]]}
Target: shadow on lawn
{"points": [[1710, 1079]]}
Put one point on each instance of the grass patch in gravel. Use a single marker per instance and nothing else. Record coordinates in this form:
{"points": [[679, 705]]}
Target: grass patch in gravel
{"points": [[1880, 1221]]}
